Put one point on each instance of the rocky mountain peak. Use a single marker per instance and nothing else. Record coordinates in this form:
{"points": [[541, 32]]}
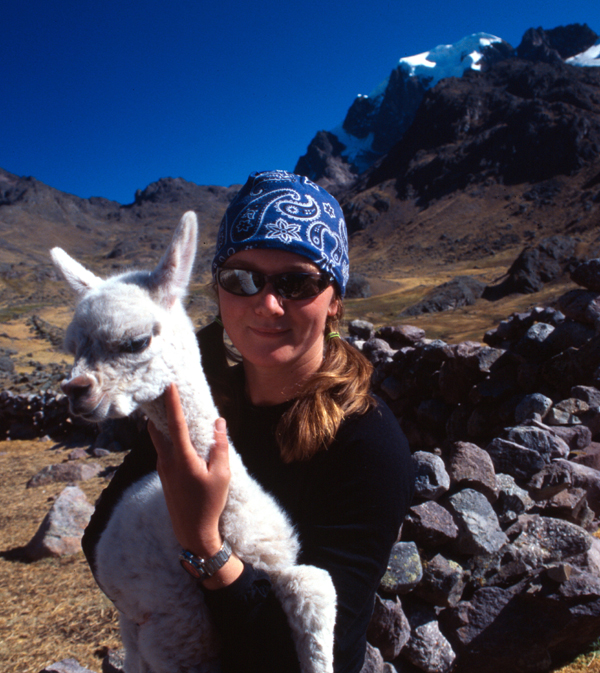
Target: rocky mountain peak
{"points": [[168, 190], [556, 45], [518, 122], [374, 124], [323, 162]]}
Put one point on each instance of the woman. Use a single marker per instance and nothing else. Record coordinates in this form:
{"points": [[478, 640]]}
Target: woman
{"points": [[300, 414]]}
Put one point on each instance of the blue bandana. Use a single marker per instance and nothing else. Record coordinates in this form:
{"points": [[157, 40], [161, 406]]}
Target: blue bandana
{"points": [[282, 211]]}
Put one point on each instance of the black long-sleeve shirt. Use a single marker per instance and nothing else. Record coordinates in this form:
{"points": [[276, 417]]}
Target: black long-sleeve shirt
{"points": [[347, 504]]}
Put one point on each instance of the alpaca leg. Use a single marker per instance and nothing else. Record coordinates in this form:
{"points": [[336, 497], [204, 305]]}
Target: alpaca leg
{"points": [[129, 635], [308, 598], [173, 643]]}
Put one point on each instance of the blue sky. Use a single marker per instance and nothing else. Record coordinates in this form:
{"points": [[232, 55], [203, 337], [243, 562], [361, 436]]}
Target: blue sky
{"points": [[103, 98]]}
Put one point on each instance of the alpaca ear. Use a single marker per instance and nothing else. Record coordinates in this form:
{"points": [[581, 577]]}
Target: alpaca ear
{"points": [[77, 276], [172, 275]]}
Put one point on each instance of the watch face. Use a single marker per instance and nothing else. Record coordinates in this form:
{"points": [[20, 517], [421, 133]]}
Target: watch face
{"points": [[191, 568]]}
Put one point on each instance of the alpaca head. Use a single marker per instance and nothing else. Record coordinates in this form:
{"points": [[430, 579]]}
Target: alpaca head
{"points": [[130, 335]]}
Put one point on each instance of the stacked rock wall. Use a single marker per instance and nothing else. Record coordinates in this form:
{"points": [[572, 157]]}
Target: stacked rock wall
{"points": [[496, 567], [31, 415]]}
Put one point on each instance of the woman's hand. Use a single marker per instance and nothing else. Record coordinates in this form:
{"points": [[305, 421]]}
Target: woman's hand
{"points": [[195, 490]]}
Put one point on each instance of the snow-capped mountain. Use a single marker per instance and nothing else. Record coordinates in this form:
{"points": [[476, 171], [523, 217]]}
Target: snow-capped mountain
{"points": [[375, 122], [368, 136]]}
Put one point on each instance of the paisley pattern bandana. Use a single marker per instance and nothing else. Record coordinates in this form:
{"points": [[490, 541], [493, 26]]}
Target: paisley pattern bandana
{"points": [[282, 211]]}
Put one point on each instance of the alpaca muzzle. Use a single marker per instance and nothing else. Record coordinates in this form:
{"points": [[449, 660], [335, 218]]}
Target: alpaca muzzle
{"points": [[80, 391]]}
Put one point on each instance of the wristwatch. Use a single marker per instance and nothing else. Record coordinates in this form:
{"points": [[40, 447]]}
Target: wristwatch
{"points": [[201, 568]]}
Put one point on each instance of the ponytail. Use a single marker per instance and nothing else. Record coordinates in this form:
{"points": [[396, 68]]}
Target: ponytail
{"points": [[340, 387]]}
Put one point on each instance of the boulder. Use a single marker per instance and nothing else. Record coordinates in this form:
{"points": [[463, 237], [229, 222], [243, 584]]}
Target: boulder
{"points": [[580, 305], [568, 334], [589, 394], [472, 467], [430, 525], [378, 351], [514, 459], [404, 569], [78, 454], [535, 344], [478, 526], [373, 662], [460, 291], [388, 629], [443, 581], [361, 328], [587, 478], [587, 274], [431, 477], [535, 267], [401, 335], [114, 662], [544, 541], [428, 648], [589, 456], [61, 530], [577, 437], [513, 328], [357, 286], [491, 638], [532, 406], [548, 445], [550, 480], [571, 505], [591, 420], [512, 500], [527, 627], [70, 471]]}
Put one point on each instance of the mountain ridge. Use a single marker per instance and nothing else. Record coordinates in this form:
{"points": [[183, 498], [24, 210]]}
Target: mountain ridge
{"points": [[478, 178], [375, 123]]}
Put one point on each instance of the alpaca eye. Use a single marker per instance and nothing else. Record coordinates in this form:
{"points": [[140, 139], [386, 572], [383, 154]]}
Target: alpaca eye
{"points": [[135, 345], [79, 347]]}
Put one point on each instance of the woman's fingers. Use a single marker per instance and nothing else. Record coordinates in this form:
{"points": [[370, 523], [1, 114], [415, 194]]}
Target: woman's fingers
{"points": [[179, 450], [178, 428], [219, 452]]}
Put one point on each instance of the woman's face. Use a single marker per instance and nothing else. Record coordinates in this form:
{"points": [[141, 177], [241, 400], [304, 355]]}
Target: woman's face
{"points": [[271, 332]]}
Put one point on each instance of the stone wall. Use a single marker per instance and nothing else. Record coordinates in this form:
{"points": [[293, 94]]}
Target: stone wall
{"points": [[496, 568]]}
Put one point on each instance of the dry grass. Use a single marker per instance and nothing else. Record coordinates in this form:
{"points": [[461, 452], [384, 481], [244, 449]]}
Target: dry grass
{"points": [[462, 324], [15, 334], [584, 663], [50, 609]]}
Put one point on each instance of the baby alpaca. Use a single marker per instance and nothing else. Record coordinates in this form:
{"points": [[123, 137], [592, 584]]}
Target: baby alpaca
{"points": [[131, 337]]}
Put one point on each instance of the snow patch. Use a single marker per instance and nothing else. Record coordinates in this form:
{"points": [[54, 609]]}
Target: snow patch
{"points": [[589, 58], [448, 60], [356, 148]]}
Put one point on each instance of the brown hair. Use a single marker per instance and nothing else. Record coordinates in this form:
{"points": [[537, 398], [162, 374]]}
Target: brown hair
{"points": [[340, 387]]}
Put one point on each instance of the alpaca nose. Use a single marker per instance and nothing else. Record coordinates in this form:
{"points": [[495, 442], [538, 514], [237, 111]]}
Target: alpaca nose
{"points": [[78, 387]]}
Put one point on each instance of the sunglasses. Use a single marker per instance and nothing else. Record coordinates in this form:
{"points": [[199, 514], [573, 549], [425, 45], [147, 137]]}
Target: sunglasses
{"points": [[291, 285]]}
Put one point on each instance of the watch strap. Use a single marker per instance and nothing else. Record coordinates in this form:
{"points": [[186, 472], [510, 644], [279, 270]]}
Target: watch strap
{"points": [[204, 568]]}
